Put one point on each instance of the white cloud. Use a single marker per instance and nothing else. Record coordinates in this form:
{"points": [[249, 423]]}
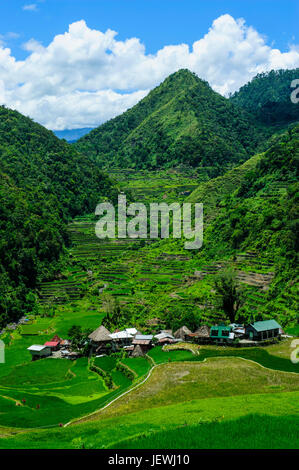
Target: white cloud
{"points": [[84, 76], [30, 7]]}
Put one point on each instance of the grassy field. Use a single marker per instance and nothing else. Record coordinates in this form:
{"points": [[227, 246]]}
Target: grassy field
{"points": [[186, 381], [158, 426], [249, 432]]}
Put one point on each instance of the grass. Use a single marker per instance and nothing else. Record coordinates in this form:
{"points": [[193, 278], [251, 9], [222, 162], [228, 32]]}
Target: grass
{"points": [[159, 356], [106, 363], [249, 432], [102, 433], [139, 365], [183, 382]]}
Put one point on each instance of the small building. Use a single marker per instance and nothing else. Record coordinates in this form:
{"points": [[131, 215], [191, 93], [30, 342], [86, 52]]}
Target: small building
{"points": [[131, 331], [138, 351], [39, 351], [202, 334], [99, 339], [163, 335], [65, 343], [261, 330], [183, 333], [54, 345], [168, 332], [143, 341], [221, 334], [167, 341], [121, 338], [57, 338]]}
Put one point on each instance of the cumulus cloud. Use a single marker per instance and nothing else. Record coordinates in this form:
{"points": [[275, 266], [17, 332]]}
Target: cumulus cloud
{"points": [[85, 76]]}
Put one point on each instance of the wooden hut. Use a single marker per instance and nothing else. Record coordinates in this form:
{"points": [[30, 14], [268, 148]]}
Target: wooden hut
{"points": [[138, 351], [143, 342], [202, 333], [99, 338], [183, 333]]}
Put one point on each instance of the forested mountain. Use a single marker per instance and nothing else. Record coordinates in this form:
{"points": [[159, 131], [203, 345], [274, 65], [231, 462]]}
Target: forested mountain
{"points": [[44, 182], [181, 121], [268, 97]]}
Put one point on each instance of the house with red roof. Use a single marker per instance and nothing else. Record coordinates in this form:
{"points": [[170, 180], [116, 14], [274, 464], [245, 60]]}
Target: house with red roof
{"points": [[54, 345]]}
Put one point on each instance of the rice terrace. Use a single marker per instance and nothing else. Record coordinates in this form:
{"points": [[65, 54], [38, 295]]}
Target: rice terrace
{"points": [[135, 342]]}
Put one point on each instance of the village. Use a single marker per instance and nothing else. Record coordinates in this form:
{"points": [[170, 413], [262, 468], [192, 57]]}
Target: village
{"points": [[135, 344]]}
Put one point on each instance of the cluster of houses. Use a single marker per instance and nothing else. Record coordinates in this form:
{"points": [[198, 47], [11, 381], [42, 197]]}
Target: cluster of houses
{"points": [[57, 347], [102, 341], [137, 344]]}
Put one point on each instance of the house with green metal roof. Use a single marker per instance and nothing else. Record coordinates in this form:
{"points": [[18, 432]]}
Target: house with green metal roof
{"points": [[221, 334], [261, 330]]}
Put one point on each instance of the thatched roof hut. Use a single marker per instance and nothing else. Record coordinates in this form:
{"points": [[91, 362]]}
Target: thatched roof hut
{"points": [[202, 332], [100, 335], [182, 333], [138, 351]]}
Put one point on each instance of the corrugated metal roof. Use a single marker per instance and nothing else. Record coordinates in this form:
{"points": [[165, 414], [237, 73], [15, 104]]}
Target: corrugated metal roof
{"points": [[164, 335], [265, 325], [36, 347], [167, 340], [146, 337], [143, 342], [131, 331], [121, 335]]}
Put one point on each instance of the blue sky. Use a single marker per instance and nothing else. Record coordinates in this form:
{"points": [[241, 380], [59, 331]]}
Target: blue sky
{"points": [[76, 63], [155, 22]]}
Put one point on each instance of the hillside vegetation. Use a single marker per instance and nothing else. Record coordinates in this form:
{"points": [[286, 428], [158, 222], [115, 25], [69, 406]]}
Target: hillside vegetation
{"points": [[261, 218], [44, 182], [182, 121], [268, 97]]}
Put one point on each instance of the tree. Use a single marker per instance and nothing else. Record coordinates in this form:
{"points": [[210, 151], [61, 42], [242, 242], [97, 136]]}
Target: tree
{"points": [[79, 339], [230, 293], [114, 315]]}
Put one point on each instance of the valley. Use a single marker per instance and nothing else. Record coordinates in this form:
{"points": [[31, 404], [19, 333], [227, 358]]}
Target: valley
{"points": [[182, 143]]}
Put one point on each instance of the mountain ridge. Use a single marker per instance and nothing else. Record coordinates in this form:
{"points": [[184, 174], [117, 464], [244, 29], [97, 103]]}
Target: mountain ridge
{"points": [[189, 118]]}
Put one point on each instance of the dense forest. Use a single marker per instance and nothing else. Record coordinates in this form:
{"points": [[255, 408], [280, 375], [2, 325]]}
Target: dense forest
{"points": [[267, 96], [182, 121], [44, 183]]}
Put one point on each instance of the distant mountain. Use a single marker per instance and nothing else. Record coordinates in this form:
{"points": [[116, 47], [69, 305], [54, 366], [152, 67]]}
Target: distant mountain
{"points": [[268, 97], [44, 182], [181, 121], [71, 135]]}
